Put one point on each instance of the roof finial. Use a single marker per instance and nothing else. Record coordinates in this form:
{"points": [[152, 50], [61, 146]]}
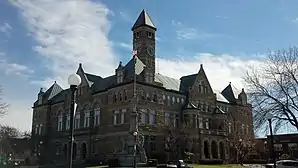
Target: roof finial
{"points": [[41, 90], [55, 82], [201, 66], [230, 83], [80, 65]]}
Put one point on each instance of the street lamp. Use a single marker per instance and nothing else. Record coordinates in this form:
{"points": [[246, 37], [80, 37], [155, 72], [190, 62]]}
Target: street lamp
{"points": [[74, 81], [269, 117], [135, 134]]}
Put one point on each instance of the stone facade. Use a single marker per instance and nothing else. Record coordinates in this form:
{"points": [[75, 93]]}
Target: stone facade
{"points": [[186, 114]]}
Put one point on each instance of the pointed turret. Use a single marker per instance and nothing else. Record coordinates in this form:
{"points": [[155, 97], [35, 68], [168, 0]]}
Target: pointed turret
{"points": [[120, 65], [143, 20]]}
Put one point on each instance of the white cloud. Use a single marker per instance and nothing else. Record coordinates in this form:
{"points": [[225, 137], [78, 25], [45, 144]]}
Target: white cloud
{"points": [[126, 17], [127, 46], [13, 68], [189, 33], [5, 28], [222, 17], [220, 69], [68, 37]]}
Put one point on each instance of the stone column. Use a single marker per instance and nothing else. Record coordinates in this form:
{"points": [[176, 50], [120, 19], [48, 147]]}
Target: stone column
{"points": [[209, 149], [218, 150], [226, 150], [202, 150]]}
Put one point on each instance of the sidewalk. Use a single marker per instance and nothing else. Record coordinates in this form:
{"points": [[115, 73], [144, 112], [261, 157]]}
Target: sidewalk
{"points": [[254, 166]]}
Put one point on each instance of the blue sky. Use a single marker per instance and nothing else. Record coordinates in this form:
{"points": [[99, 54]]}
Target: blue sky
{"points": [[44, 40]]}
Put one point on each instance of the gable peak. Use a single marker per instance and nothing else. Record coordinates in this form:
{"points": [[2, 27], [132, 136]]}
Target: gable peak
{"points": [[143, 20], [120, 65]]}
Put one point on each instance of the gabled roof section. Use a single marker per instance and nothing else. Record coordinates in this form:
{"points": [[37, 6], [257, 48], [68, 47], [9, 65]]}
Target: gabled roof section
{"points": [[104, 83], [143, 20], [202, 74], [52, 91], [186, 82], [220, 97], [130, 67], [90, 78], [231, 93], [167, 82]]}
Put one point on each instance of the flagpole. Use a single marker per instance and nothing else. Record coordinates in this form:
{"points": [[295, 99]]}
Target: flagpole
{"points": [[134, 85], [135, 111]]}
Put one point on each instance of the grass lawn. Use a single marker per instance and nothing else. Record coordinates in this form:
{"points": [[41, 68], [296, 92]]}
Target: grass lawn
{"points": [[218, 166]]}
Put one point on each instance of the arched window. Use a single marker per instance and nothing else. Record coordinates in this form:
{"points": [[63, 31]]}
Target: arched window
{"points": [[77, 119], [67, 120], [87, 118], [60, 121], [96, 115]]}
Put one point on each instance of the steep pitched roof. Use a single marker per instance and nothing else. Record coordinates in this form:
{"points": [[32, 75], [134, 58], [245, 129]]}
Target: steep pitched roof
{"points": [[187, 82], [168, 83], [231, 93], [143, 20], [54, 90], [104, 83]]}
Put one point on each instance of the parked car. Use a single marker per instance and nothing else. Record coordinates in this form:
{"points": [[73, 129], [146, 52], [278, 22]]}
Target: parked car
{"points": [[178, 164], [284, 164]]}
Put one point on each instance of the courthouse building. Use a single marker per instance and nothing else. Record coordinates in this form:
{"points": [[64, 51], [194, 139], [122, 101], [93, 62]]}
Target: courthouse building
{"points": [[188, 107]]}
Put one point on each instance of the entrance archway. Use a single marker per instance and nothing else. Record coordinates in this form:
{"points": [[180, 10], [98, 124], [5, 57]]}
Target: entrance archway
{"points": [[206, 149], [84, 151], [222, 150], [74, 149], [214, 150]]}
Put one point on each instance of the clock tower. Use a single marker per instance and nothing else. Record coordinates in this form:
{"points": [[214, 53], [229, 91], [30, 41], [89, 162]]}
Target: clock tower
{"points": [[144, 42]]}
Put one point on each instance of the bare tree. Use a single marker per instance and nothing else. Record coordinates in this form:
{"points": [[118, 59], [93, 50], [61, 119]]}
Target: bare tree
{"points": [[9, 132], [242, 146], [26, 134], [273, 88], [3, 105]]}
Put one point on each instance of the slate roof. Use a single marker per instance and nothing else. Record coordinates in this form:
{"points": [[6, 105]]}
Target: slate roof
{"points": [[143, 20], [187, 82], [168, 82], [54, 90], [56, 94], [231, 93]]}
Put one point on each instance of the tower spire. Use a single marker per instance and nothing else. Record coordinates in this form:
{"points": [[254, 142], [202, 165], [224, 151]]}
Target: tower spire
{"points": [[143, 20]]}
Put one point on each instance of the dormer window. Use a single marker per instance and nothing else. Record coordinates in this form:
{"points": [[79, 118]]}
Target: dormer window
{"points": [[119, 76]]}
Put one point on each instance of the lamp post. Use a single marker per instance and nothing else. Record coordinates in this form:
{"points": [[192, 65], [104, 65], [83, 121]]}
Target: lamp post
{"points": [[135, 134], [74, 81], [269, 117]]}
